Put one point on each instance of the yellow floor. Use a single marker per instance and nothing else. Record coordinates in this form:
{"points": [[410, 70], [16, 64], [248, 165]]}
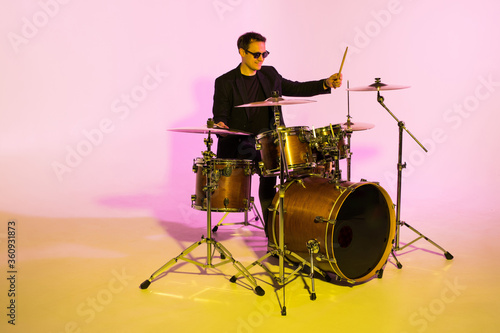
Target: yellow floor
{"points": [[83, 275]]}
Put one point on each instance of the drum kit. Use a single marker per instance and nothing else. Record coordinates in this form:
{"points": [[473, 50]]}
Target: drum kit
{"points": [[317, 221]]}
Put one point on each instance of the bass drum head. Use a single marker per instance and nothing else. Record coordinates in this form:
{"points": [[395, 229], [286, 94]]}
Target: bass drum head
{"points": [[363, 233]]}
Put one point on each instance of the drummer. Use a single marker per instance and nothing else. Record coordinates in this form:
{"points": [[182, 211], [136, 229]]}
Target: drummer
{"points": [[250, 82]]}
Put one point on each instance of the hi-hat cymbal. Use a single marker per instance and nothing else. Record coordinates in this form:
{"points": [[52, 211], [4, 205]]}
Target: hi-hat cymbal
{"points": [[276, 101], [355, 126], [207, 130], [378, 86]]}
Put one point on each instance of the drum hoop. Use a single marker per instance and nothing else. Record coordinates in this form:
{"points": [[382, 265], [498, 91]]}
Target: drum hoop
{"points": [[283, 130], [336, 126], [392, 229], [200, 160]]}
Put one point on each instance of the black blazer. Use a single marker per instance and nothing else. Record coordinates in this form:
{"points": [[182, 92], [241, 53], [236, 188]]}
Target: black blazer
{"points": [[230, 92]]}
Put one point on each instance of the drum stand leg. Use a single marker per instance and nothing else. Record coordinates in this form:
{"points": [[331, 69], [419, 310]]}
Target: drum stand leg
{"points": [[281, 250], [313, 247], [301, 264], [401, 166], [348, 133], [246, 222], [225, 255]]}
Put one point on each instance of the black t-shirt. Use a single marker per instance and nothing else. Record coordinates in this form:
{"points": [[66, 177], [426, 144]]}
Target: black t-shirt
{"points": [[259, 117]]}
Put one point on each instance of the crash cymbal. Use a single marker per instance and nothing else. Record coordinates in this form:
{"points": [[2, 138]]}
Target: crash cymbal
{"points": [[207, 130], [378, 86], [276, 101], [356, 126]]}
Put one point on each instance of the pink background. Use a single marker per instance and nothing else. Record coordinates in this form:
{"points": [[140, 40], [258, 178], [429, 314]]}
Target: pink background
{"points": [[77, 78], [100, 191]]}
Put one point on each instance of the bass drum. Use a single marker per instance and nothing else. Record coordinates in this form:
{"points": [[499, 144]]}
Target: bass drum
{"points": [[354, 224]]}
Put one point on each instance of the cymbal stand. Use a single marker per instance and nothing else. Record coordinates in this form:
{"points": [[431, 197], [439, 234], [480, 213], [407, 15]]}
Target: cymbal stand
{"points": [[281, 190], [337, 176], [225, 255], [281, 251], [348, 134], [245, 222], [401, 166]]}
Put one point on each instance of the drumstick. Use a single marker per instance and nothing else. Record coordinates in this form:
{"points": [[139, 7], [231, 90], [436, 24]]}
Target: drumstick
{"points": [[342, 64]]}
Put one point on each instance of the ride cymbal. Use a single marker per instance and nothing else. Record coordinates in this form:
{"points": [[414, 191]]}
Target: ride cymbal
{"points": [[355, 126], [378, 86], [207, 130], [276, 101]]}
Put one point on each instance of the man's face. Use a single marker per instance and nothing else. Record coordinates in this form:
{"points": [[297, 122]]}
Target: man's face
{"points": [[248, 60]]}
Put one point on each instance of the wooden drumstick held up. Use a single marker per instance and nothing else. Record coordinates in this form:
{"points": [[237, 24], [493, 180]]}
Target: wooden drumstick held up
{"points": [[343, 59]]}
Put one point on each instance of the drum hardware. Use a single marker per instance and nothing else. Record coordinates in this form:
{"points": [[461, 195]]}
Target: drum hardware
{"points": [[321, 257], [313, 247], [275, 101], [212, 244], [246, 221], [348, 132], [320, 219], [364, 181], [329, 143], [379, 86]]}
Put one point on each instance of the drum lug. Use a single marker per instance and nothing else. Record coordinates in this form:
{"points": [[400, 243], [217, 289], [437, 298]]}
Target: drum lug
{"points": [[193, 200], [227, 171], [340, 279], [320, 219], [321, 257], [216, 176], [226, 202], [261, 168], [304, 137], [258, 146], [366, 181]]}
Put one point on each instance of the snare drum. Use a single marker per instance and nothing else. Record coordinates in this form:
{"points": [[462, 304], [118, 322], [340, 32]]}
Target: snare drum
{"points": [[297, 150], [232, 184], [354, 224]]}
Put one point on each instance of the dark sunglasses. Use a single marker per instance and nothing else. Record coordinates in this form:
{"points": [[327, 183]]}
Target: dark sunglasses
{"points": [[257, 55]]}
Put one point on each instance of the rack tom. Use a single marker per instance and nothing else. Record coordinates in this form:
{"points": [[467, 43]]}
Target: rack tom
{"points": [[296, 148], [329, 142]]}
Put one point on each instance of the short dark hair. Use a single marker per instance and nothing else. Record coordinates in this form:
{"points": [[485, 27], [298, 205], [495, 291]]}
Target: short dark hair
{"points": [[245, 39]]}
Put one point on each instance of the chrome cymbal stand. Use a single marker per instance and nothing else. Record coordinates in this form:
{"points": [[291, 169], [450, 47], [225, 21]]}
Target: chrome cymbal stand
{"points": [[281, 250], [225, 255], [348, 132], [281, 190], [401, 166], [246, 221]]}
